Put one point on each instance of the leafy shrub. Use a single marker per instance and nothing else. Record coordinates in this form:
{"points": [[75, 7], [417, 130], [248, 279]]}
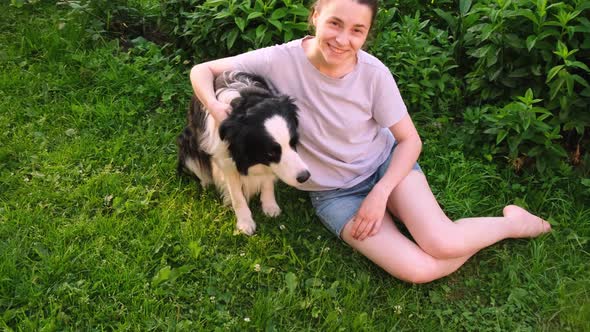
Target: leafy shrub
{"points": [[526, 44], [522, 129], [125, 19], [512, 42], [20, 3], [508, 47], [218, 28], [420, 57]]}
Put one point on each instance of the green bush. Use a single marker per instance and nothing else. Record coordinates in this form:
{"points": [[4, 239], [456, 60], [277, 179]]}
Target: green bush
{"points": [[523, 129], [123, 19], [20, 3], [508, 47], [420, 57], [515, 44], [453, 60], [218, 28]]}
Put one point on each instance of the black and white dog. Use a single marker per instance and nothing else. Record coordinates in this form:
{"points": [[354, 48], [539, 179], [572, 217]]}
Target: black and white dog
{"points": [[244, 154]]}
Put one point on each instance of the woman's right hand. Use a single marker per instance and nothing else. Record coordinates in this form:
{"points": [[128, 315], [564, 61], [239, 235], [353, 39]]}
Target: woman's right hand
{"points": [[219, 110]]}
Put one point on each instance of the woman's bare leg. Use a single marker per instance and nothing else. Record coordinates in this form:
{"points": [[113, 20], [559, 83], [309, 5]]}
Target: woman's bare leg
{"points": [[399, 256], [414, 204]]}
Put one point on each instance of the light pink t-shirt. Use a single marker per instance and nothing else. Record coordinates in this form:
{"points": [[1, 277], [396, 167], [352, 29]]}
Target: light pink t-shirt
{"points": [[343, 123]]}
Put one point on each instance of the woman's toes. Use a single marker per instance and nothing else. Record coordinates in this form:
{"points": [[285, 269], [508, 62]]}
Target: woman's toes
{"points": [[526, 224]]}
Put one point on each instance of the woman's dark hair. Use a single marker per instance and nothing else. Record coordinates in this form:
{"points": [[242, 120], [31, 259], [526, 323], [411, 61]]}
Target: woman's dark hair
{"points": [[317, 5]]}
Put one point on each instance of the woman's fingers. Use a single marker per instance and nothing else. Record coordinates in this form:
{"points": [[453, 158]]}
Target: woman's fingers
{"points": [[361, 228], [359, 225], [376, 227]]}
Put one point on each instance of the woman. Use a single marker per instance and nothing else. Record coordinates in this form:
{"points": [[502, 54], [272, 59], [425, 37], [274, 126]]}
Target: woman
{"points": [[350, 113]]}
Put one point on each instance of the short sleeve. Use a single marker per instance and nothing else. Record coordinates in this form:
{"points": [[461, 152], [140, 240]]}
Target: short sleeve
{"points": [[255, 62], [388, 105]]}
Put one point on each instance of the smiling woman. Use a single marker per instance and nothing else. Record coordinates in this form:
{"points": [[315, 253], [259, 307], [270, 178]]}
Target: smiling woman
{"points": [[361, 147], [340, 32]]}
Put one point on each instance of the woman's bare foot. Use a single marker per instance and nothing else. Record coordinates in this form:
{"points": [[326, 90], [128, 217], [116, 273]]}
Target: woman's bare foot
{"points": [[526, 224]]}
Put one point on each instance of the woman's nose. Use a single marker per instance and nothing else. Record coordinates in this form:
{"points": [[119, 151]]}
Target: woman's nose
{"points": [[342, 38]]}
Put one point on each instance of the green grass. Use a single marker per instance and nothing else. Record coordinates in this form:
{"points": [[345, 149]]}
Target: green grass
{"points": [[98, 232]]}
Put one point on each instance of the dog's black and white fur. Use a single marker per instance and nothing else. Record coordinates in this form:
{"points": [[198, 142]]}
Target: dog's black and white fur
{"points": [[251, 148]]}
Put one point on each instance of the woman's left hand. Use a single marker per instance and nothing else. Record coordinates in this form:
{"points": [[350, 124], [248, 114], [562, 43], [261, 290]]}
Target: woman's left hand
{"points": [[369, 217]]}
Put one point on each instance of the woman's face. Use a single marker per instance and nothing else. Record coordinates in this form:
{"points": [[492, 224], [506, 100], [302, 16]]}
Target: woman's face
{"points": [[341, 30]]}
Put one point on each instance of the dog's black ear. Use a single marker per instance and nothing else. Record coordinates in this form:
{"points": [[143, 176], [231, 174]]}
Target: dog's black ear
{"points": [[242, 165], [235, 103], [232, 132], [226, 128]]}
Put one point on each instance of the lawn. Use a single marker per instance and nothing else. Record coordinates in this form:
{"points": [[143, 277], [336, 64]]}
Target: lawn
{"points": [[97, 232]]}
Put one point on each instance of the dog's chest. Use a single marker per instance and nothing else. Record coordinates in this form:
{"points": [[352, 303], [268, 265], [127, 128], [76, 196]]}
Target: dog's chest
{"points": [[260, 170]]}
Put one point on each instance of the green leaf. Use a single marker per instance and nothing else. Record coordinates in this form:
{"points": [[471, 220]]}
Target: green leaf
{"points": [[528, 14], [520, 72], [214, 3], [253, 15], [161, 276], [276, 23], [222, 14], [450, 19], [540, 164], [299, 10], [527, 122], [535, 151], [501, 136], [529, 94], [17, 3], [259, 5], [480, 52], [578, 64], [260, 30], [569, 81], [195, 249], [552, 72], [292, 282], [288, 35], [231, 38], [530, 42], [580, 80], [301, 26], [464, 6], [279, 13], [240, 22]]}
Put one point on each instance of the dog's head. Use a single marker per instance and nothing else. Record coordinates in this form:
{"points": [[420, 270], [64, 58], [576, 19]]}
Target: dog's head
{"points": [[262, 130]]}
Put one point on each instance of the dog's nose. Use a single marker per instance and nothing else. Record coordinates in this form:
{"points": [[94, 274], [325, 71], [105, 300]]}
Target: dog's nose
{"points": [[303, 176]]}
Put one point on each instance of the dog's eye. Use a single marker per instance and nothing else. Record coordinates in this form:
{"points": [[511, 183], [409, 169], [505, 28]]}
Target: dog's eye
{"points": [[293, 142], [275, 151]]}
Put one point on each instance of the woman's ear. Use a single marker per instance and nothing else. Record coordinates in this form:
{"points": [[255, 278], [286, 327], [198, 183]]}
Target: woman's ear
{"points": [[314, 18]]}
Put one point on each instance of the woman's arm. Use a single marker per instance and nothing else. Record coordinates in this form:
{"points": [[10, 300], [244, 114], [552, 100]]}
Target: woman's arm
{"points": [[369, 217], [409, 146], [202, 77]]}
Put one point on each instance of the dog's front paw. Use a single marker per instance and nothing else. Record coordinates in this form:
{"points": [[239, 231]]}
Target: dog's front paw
{"points": [[271, 209], [246, 225]]}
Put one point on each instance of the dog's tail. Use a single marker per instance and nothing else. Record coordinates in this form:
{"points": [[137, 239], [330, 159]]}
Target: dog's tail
{"points": [[192, 159]]}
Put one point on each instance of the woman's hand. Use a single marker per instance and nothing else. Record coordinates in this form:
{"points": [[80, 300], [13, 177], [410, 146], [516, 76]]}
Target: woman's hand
{"points": [[369, 217], [219, 110]]}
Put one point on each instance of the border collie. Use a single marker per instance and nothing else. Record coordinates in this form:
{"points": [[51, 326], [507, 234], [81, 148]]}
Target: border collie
{"points": [[244, 154]]}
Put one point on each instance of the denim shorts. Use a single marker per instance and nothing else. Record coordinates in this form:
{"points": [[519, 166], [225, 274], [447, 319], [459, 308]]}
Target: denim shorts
{"points": [[336, 207]]}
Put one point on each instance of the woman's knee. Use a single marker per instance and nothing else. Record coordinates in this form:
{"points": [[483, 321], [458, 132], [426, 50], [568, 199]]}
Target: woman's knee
{"points": [[419, 272], [443, 245]]}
